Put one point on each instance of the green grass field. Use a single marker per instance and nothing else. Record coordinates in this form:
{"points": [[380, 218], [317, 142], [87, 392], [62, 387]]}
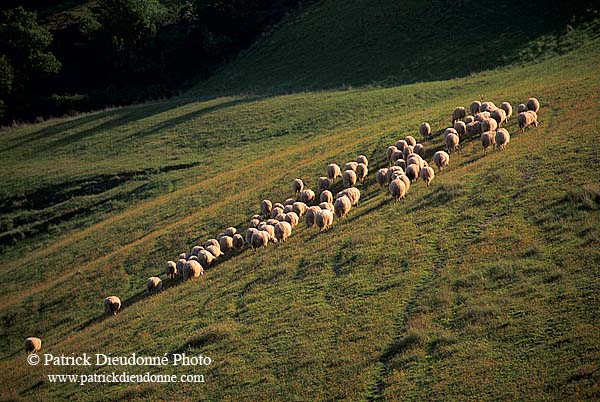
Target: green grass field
{"points": [[484, 286]]}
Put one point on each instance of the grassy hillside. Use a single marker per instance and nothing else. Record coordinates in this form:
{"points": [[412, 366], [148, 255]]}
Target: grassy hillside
{"points": [[333, 44], [482, 287]]}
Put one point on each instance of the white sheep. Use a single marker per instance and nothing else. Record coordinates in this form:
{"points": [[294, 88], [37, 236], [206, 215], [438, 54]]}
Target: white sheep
{"points": [[362, 159], [391, 171], [353, 193], [276, 211], [412, 172], [441, 159], [458, 113], [380, 177], [489, 125], [499, 115], [475, 107], [449, 130], [292, 218], [410, 140], [533, 104], [389, 151], [288, 208], [452, 141], [333, 171], [259, 239], [406, 182], [270, 229], [425, 131], [342, 206], [521, 107], [488, 139], [361, 172], [460, 127], [171, 269], [401, 163], [238, 241], [249, 234], [474, 128], [33, 345], [192, 270], [350, 166], [400, 144], [349, 178], [323, 183], [397, 189], [488, 106], [502, 138], [154, 284], [507, 107], [419, 149], [324, 220], [112, 305], [526, 119], [469, 119], [282, 230], [297, 186], [309, 218], [226, 243], [265, 208], [206, 258], [215, 250], [426, 174], [300, 208], [307, 196], [326, 196]]}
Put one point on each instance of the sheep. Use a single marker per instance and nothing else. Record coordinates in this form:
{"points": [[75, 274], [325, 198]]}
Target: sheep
{"points": [[414, 158], [230, 231], [458, 113], [410, 140], [326, 205], [280, 217], [276, 211], [488, 139], [489, 125], [449, 130], [409, 149], [192, 270], [488, 106], [350, 166], [238, 241], [206, 258], [270, 229], [195, 250], [452, 142], [499, 115], [309, 218], [380, 177], [179, 265], [171, 269], [397, 189], [460, 127], [341, 206], [362, 159], [214, 250], [254, 222], [419, 149], [526, 119], [259, 239], [507, 107], [412, 172], [33, 345], [474, 128], [288, 201], [533, 104], [271, 222], [112, 304], [397, 155], [297, 186], [307, 196], [441, 159], [333, 171], [475, 107], [220, 235], [502, 138], [426, 174], [292, 218], [389, 151], [326, 196], [521, 107], [282, 230], [391, 172], [425, 131], [401, 163], [482, 116], [184, 256], [300, 208], [406, 182], [400, 144], [278, 205], [323, 183], [194, 258], [265, 208], [353, 193], [226, 243], [249, 234], [288, 208], [324, 219], [361, 172], [349, 178], [469, 119], [154, 284]]}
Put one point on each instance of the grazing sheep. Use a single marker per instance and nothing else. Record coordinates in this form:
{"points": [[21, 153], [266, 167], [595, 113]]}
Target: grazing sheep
{"points": [[361, 172], [276, 211], [469, 119], [502, 138], [400, 144], [184, 256], [419, 149], [350, 166], [521, 107], [195, 250], [460, 127], [280, 217], [533, 104], [426, 174], [380, 177], [307, 196], [323, 183], [441, 159], [449, 130], [226, 243], [230, 231], [458, 113], [397, 189], [488, 106], [326, 205], [415, 159], [406, 182], [410, 140], [475, 107], [397, 155], [292, 218], [112, 304], [288, 201], [283, 230], [297, 186], [179, 265], [389, 151], [526, 119], [452, 141], [220, 235], [33, 345], [474, 128], [412, 172], [287, 208], [409, 149], [206, 258], [278, 205], [215, 250], [154, 284], [211, 242], [391, 171], [309, 218], [499, 115], [272, 222], [349, 178], [324, 219], [194, 258], [507, 107], [300, 208], [488, 139], [265, 208], [254, 222], [362, 159], [326, 196], [333, 171], [192, 270], [482, 116], [270, 229], [489, 125], [259, 239], [425, 131], [238, 241], [401, 163], [341, 206], [249, 234], [171, 269], [353, 193]]}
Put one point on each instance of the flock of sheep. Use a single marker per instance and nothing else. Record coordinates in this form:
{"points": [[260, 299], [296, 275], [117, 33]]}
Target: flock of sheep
{"points": [[276, 221]]}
